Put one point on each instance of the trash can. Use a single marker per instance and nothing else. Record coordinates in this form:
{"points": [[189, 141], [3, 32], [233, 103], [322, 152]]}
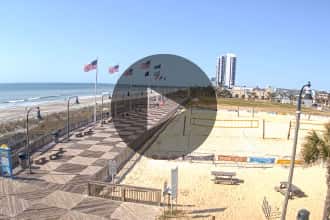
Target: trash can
{"points": [[23, 160], [303, 214]]}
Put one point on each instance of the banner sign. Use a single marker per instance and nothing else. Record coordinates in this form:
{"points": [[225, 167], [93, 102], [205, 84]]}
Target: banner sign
{"points": [[174, 182], [232, 158], [269, 160], [200, 157]]}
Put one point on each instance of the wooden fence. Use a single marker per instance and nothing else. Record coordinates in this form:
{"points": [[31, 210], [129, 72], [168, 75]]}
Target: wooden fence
{"points": [[125, 193]]}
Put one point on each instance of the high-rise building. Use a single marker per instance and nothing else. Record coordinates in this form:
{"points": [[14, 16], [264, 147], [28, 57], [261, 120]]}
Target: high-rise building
{"points": [[226, 70]]}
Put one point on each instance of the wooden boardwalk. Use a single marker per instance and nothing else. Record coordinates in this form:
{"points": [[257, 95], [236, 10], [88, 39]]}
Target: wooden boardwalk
{"points": [[58, 188]]}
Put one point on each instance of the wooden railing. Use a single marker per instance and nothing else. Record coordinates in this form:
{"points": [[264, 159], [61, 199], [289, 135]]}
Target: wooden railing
{"points": [[125, 193]]}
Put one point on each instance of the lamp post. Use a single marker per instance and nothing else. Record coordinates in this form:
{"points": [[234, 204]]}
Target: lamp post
{"points": [[109, 97], [68, 114], [28, 110], [293, 156]]}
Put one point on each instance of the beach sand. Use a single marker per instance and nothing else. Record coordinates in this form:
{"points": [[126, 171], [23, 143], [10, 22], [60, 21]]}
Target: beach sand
{"points": [[230, 202], [18, 112]]}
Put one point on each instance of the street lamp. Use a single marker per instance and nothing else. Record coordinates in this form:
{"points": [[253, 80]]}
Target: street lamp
{"points": [[28, 110], [68, 114], [293, 156], [109, 97]]}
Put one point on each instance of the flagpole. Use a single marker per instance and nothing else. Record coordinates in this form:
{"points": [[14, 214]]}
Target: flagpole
{"points": [[95, 89]]}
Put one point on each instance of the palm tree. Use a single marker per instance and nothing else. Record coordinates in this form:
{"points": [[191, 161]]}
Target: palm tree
{"points": [[317, 148]]}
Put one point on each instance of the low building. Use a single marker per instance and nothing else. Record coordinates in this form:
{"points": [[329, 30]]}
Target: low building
{"points": [[241, 92], [307, 100]]}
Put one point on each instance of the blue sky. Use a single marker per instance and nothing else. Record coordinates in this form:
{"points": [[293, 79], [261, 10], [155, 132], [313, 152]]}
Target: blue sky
{"points": [[280, 43]]}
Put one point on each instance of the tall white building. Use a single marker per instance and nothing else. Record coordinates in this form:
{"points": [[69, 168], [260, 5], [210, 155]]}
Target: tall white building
{"points": [[226, 70]]}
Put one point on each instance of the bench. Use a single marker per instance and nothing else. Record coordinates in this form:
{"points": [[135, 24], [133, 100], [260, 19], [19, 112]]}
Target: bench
{"points": [[224, 177], [80, 134], [294, 192], [40, 161], [88, 131], [56, 155]]}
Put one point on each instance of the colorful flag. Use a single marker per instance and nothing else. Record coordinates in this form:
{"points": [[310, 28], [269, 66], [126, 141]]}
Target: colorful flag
{"points": [[157, 66], [145, 65], [128, 72], [90, 66], [146, 74], [113, 69]]}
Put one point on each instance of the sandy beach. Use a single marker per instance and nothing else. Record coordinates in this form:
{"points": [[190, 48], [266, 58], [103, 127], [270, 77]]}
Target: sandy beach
{"points": [[18, 112], [201, 196]]}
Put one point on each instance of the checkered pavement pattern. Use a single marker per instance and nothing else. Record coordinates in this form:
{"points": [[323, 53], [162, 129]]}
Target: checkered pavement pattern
{"points": [[58, 188]]}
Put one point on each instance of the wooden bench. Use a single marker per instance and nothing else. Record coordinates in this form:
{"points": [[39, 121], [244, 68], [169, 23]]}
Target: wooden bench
{"points": [[80, 134], [224, 177], [40, 161], [88, 131], [294, 192], [56, 155]]}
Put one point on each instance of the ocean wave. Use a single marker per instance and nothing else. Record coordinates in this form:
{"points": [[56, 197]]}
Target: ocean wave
{"points": [[15, 101], [33, 98]]}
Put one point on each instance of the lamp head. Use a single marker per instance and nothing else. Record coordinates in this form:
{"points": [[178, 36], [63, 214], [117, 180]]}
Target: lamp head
{"points": [[309, 84], [77, 100]]}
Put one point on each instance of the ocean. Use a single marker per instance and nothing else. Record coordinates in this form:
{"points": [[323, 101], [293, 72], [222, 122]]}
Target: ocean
{"points": [[18, 94]]}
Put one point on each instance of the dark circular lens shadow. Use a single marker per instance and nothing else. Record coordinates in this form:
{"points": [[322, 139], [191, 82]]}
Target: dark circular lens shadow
{"points": [[165, 92]]}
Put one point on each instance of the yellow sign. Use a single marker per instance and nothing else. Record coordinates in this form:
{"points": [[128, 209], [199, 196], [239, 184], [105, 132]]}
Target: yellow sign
{"points": [[287, 162]]}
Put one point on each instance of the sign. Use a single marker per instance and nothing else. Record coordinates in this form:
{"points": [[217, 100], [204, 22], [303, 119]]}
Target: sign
{"points": [[112, 167], [232, 158], [5, 161], [200, 157], [269, 160], [174, 182]]}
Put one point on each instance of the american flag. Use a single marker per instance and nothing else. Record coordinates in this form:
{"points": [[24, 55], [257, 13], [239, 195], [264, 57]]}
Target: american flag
{"points": [[113, 69], [145, 65], [90, 66], [128, 72]]}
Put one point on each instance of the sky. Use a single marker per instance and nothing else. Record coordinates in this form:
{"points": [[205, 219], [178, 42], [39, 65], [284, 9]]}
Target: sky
{"points": [[278, 43]]}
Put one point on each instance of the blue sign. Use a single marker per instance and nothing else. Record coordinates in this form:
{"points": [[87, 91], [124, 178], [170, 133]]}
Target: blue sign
{"points": [[269, 160], [5, 162]]}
